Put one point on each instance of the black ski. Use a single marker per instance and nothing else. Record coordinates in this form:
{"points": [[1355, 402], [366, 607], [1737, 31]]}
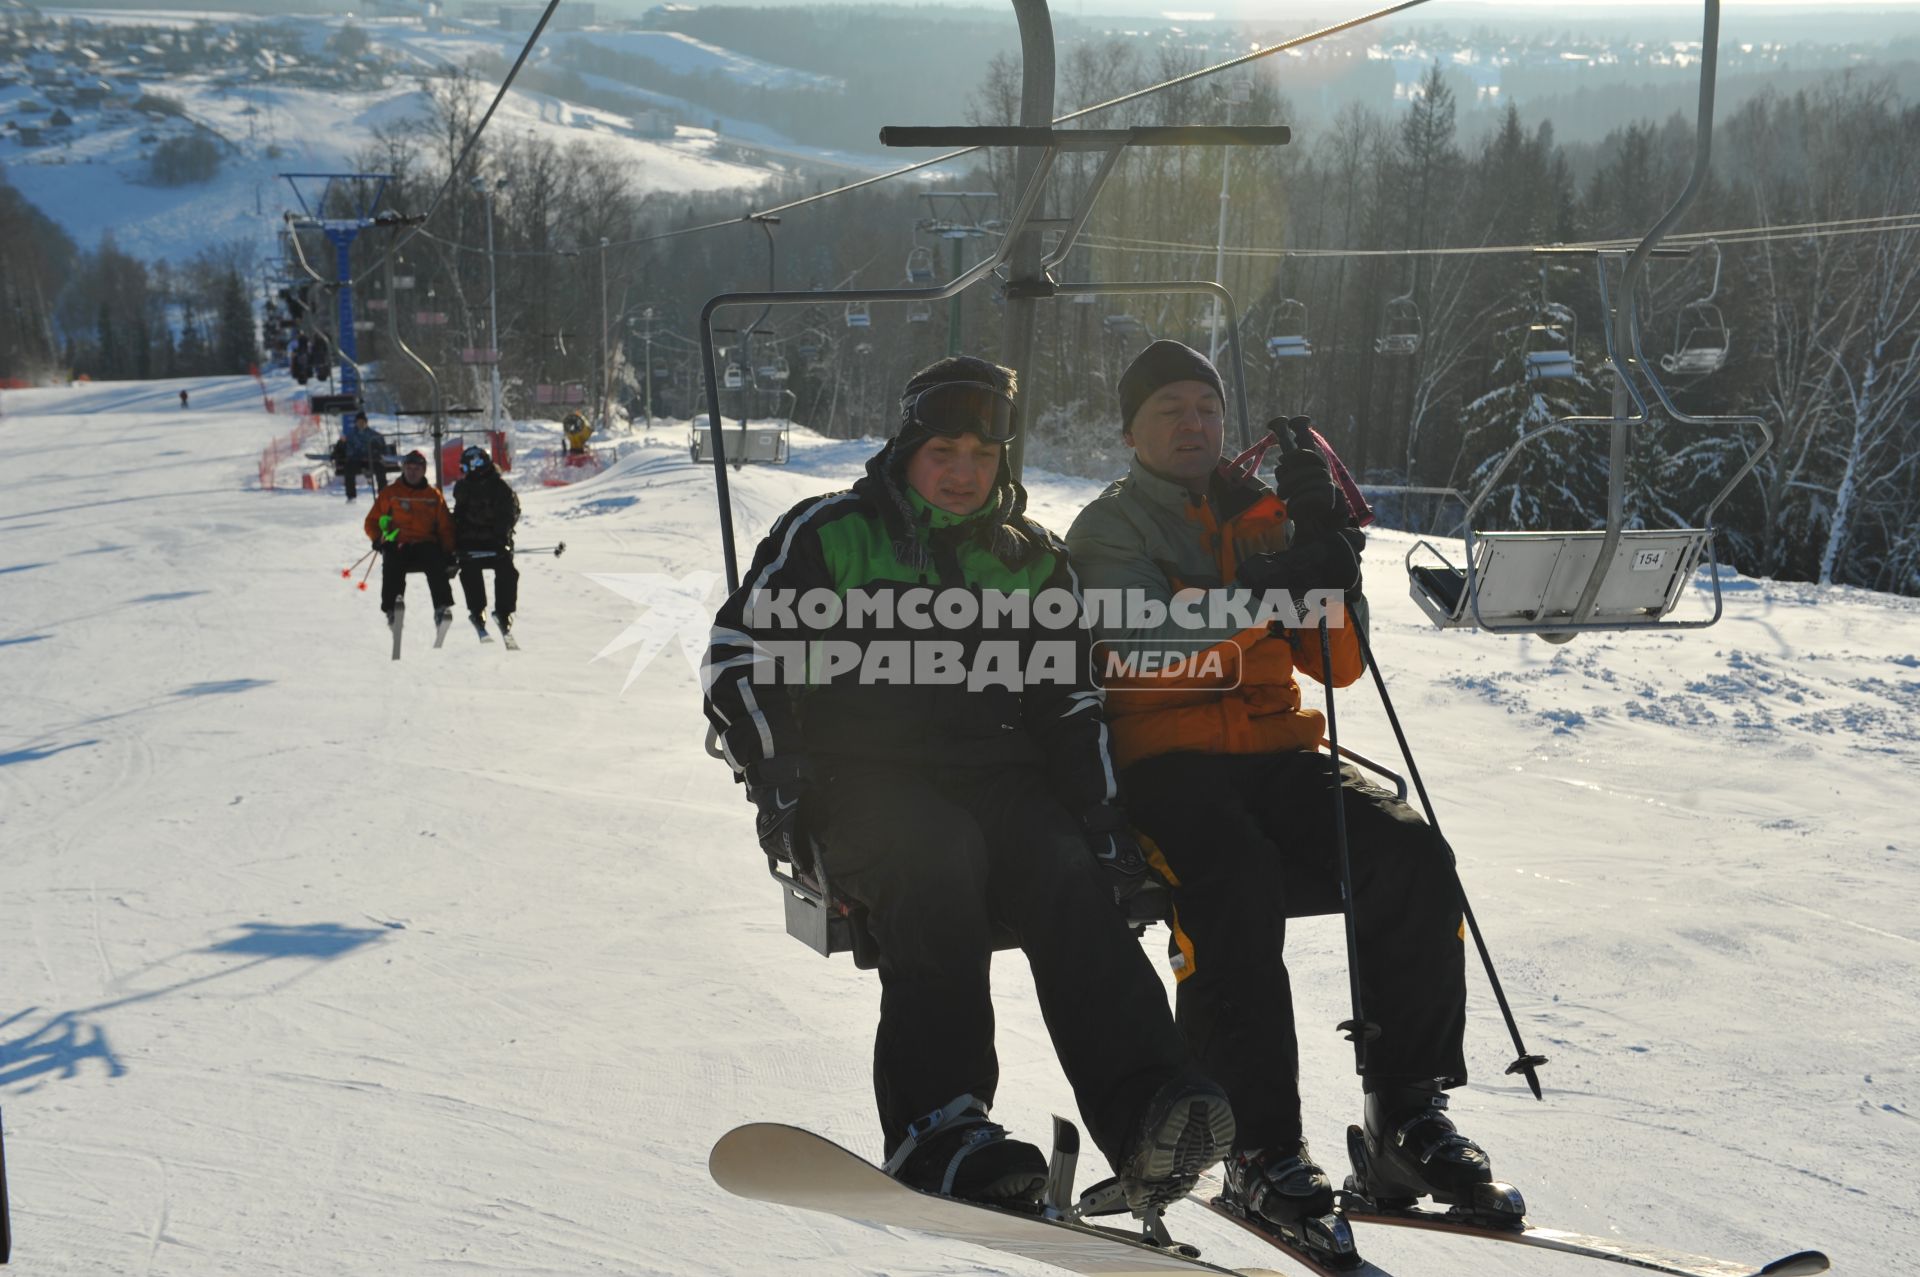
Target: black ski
{"points": [[1516, 1228], [397, 623]]}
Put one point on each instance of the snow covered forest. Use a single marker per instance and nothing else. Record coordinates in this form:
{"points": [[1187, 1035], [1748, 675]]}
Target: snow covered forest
{"points": [[1820, 339]]}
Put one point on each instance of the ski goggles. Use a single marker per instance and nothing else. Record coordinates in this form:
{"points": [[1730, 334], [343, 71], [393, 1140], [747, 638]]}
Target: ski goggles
{"points": [[472, 459], [954, 408]]}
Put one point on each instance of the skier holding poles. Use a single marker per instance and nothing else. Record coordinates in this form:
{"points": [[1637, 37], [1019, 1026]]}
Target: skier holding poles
{"points": [[1227, 782], [949, 807], [485, 510], [410, 527]]}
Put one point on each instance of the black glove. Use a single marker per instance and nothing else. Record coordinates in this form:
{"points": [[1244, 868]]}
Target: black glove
{"points": [[778, 787], [1116, 851], [384, 546], [1328, 561], [1303, 480]]}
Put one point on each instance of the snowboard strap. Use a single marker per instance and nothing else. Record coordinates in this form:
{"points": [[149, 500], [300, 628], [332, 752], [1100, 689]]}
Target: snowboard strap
{"points": [[961, 1110]]}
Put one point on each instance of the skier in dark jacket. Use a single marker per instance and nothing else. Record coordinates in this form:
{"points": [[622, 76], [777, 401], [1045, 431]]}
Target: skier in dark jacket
{"points": [[943, 753], [485, 510], [1228, 781]]}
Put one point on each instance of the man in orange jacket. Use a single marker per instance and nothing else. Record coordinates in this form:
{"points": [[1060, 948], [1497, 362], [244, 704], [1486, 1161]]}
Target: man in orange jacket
{"points": [[1223, 775], [410, 527]]}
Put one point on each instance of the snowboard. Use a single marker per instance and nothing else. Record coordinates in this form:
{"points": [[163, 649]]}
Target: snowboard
{"points": [[788, 1166]]}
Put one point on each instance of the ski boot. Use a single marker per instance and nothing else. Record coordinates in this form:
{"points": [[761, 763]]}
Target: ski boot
{"points": [[1285, 1194], [1187, 1127], [442, 622], [480, 626], [1409, 1149], [956, 1152], [504, 624]]}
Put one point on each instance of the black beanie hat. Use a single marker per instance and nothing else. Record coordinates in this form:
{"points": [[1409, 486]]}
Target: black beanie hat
{"points": [[1161, 364]]}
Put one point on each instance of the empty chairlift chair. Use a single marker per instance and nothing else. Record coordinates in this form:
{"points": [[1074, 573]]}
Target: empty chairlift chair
{"points": [[1560, 583], [920, 312], [735, 377], [1549, 348], [1289, 339], [1700, 336], [1700, 341], [1399, 328], [920, 266], [858, 316]]}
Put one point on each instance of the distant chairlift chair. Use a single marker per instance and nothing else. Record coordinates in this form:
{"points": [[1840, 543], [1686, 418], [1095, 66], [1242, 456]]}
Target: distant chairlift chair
{"points": [[1700, 336], [1289, 339], [1550, 344], [858, 315], [1399, 328]]}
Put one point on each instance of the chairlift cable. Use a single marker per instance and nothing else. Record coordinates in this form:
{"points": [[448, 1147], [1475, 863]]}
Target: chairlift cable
{"points": [[453, 171], [1271, 49], [1893, 223]]}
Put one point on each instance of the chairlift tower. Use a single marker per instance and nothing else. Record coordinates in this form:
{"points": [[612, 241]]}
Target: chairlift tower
{"points": [[955, 217], [341, 232]]}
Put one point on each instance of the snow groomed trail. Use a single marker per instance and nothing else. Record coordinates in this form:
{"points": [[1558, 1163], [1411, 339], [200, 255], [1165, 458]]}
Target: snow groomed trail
{"points": [[318, 962]]}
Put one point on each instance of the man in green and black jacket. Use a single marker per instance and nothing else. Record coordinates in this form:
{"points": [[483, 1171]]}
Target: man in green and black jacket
{"points": [[902, 684]]}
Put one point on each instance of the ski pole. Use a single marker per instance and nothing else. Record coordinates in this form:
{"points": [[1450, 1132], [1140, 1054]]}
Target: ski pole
{"points": [[368, 572], [555, 550], [1359, 1029], [347, 571], [1525, 1064]]}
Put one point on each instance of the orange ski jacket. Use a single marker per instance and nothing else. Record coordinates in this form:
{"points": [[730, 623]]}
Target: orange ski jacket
{"points": [[1145, 536], [418, 514]]}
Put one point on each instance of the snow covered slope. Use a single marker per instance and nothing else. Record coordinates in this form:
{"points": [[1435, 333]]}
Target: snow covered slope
{"points": [[321, 963], [91, 176]]}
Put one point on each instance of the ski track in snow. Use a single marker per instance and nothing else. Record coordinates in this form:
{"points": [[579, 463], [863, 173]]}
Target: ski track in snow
{"points": [[461, 963]]}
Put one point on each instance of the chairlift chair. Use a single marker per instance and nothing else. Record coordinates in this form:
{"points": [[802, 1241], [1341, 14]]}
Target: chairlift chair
{"points": [[1289, 339], [1700, 336], [920, 313], [1399, 328], [920, 265], [1122, 326], [773, 369], [735, 377], [1700, 342], [1549, 349], [1556, 584], [858, 316]]}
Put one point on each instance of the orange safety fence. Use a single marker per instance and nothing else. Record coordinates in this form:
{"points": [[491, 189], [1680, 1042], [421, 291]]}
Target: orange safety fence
{"points": [[293, 445]]}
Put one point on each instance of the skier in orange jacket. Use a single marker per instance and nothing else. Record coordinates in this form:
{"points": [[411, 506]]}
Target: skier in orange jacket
{"points": [[410, 527]]}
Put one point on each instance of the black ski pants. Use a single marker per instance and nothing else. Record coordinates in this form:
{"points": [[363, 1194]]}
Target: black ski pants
{"points": [[940, 858], [350, 471], [1250, 838], [506, 580], [423, 557]]}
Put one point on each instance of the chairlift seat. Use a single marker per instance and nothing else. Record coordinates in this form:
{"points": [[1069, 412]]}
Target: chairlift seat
{"points": [[1695, 360], [764, 443], [1397, 344], [1529, 580], [1289, 347], [1547, 365]]}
